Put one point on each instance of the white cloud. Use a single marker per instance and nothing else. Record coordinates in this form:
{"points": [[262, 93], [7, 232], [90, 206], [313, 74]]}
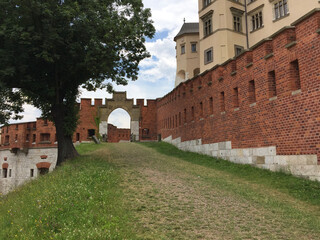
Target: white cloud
{"points": [[30, 114]]}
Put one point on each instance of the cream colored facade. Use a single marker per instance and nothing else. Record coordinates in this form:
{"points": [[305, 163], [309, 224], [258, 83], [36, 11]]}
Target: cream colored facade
{"points": [[295, 10], [222, 37], [227, 27], [187, 54]]}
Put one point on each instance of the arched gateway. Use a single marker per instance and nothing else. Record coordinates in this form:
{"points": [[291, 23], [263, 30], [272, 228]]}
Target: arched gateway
{"points": [[120, 100]]}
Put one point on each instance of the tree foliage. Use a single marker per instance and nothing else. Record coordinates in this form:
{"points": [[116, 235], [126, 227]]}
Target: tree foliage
{"points": [[49, 48]]}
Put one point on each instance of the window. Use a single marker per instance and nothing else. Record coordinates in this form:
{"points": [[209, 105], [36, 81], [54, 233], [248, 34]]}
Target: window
{"points": [[5, 173], [193, 47], [208, 56], [272, 84], [201, 109], [281, 9], [31, 172], [6, 139], [10, 172], [206, 2], [256, 21], [235, 97], [222, 103], [45, 137], [238, 50], [207, 26], [192, 112], [295, 75], [91, 132], [211, 105], [252, 92], [183, 49], [145, 131], [185, 115], [237, 23], [34, 138]]}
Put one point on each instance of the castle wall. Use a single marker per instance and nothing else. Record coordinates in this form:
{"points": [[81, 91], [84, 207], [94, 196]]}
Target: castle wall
{"points": [[236, 102], [118, 134], [148, 120]]}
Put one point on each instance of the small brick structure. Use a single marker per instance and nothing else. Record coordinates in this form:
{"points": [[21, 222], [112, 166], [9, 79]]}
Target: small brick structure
{"points": [[118, 134]]}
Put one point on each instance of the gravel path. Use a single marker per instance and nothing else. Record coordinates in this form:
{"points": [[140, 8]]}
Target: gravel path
{"points": [[174, 199]]}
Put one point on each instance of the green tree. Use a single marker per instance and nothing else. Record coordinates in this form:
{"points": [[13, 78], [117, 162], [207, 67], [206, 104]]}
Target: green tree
{"points": [[49, 48]]}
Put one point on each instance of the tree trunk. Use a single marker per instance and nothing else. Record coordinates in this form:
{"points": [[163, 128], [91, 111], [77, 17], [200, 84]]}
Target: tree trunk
{"points": [[66, 149]]}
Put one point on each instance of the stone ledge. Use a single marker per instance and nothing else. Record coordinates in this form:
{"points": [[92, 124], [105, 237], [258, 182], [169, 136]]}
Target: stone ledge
{"points": [[249, 65], [268, 56], [289, 45], [296, 92]]}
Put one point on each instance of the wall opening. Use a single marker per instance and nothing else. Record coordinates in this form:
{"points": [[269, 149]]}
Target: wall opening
{"points": [[272, 84], [235, 97], [119, 126], [5, 173], [43, 171], [295, 75], [252, 92]]}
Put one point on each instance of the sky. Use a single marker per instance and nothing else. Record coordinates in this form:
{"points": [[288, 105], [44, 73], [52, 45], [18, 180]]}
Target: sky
{"points": [[157, 74]]}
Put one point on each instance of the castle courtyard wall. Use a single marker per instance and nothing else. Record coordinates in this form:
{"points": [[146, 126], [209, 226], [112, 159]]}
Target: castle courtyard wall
{"points": [[237, 103]]}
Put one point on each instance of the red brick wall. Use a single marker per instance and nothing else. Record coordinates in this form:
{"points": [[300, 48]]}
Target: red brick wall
{"points": [[87, 119], [148, 120], [291, 122], [118, 134], [18, 135]]}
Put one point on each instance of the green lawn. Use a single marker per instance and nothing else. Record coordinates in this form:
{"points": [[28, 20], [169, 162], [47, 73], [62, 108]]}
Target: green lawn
{"points": [[155, 191]]}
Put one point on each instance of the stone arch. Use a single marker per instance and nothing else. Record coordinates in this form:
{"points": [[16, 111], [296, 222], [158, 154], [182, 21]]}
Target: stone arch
{"points": [[43, 165], [119, 100]]}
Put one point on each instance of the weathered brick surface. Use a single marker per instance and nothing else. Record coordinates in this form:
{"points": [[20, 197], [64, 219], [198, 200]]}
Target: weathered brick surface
{"points": [[290, 121], [28, 135], [118, 134], [148, 120]]}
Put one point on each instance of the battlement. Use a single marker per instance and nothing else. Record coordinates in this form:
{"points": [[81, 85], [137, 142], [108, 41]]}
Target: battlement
{"points": [[262, 97], [287, 38]]}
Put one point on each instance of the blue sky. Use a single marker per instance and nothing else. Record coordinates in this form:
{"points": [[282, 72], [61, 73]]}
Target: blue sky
{"points": [[157, 74]]}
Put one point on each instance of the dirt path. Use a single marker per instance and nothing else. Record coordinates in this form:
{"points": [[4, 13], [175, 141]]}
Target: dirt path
{"points": [[173, 199]]}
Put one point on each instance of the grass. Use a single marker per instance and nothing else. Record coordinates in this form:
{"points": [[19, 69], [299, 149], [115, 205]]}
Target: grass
{"points": [[80, 200], [302, 189], [155, 191]]}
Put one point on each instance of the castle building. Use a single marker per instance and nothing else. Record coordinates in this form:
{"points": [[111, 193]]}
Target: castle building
{"points": [[187, 47], [260, 107], [228, 27]]}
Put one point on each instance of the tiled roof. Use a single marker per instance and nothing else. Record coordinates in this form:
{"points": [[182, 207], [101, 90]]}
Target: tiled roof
{"points": [[188, 28]]}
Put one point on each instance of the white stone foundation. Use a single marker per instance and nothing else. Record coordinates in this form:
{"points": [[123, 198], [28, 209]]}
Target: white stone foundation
{"points": [[263, 157], [20, 165]]}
